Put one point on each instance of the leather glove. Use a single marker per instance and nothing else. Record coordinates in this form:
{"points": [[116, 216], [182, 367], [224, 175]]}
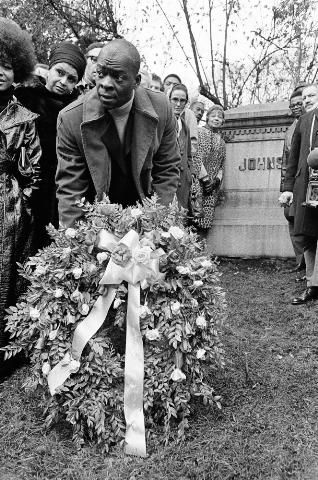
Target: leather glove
{"points": [[209, 185]]}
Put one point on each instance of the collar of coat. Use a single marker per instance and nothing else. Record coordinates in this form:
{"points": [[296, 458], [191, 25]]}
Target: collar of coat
{"points": [[94, 110], [15, 114]]}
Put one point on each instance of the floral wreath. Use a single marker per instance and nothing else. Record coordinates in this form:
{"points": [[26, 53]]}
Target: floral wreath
{"points": [[161, 286]]}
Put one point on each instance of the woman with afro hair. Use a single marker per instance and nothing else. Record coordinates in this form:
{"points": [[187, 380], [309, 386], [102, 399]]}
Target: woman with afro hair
{"points": [[19, 156]]}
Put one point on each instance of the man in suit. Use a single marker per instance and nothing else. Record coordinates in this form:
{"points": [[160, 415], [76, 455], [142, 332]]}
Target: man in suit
{"points": [[119, 139], [305, 139]]}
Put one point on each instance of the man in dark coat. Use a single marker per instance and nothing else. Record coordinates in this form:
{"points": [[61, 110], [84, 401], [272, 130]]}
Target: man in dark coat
{"points": [[305, 139], [118, 139]]}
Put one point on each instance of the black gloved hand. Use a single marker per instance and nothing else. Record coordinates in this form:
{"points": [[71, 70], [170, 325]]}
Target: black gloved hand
{"points": [[207, 185]]}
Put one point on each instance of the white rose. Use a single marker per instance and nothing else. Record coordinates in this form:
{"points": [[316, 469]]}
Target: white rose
{"points": [[176, 232], [201, 321], [142, 255], [153, 334], [58, 293], [200, 353], [53, 334], [70, 318], [177, 375], [117, 302], [76, 295], [40, 270], [46, 367], [183, 270], [175, 308], [66, 360], [85, 309], [188, 329], [102, 257], [70, 233], [34, 313], [136, 212], [77, 272], [90, 268], [144, 311], [66, 252], [206, 264], [194, 302], [197, 283], [74, 366]]}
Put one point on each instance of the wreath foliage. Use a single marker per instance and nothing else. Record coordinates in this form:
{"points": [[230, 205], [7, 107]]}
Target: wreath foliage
{"points": [[180, 317]]}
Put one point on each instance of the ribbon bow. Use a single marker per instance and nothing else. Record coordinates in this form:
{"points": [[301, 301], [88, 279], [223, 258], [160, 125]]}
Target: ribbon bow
{"points": [[135, 266]]}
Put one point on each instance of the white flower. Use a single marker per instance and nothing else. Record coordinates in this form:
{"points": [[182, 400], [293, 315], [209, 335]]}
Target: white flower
{"points": [[177, 375], [188, 329], [34, 313], [117, 302], [66, 252], [66, 360], [76, 295], [153, 334], [70, 233], [70, 318], [183, 270], [194, 302], [206, 263], [58, 293], [165, 234], [77, 272], [142, 255], [136, 212], [46, 367], [102, 257], [90, 268], [200, 353], [176, 232], [74, 366], [85, 309], [53, 334], [197, 283], [175, 308], [40, 270], [201, 321], [144, 311]]}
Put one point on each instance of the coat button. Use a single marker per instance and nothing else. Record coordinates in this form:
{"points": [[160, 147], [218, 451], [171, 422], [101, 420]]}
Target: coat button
{"points": [[179, 184], [181, 169]]}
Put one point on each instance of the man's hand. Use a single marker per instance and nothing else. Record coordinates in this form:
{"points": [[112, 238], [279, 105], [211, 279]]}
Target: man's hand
{"points": [[286, 199]]}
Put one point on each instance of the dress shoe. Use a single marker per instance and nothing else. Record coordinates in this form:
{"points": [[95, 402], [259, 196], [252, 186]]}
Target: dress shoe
{"points": [[309, 294]]}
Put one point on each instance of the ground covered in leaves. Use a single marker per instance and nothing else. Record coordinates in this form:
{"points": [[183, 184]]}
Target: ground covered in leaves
{"points": [[267, 428]]}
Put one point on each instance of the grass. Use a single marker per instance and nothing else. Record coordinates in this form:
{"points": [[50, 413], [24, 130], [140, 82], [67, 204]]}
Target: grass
{"points": [[267, 428]]}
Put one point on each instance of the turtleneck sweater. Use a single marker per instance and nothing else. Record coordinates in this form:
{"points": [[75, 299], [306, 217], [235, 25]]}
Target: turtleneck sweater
{"points": [[120, 116]]}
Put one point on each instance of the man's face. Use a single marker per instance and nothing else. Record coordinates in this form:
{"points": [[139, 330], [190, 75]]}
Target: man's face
{"points": [[90, 70], [178, 101], [116, 78], [198, 110], [296, 106], [310, 97], [169, 82], [155, 85]]}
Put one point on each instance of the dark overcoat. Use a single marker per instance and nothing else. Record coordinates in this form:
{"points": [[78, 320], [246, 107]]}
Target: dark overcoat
{"points": [[305, 138], [84, 164]]}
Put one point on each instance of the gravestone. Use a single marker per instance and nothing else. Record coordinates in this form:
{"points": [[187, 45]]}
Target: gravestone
{"points": [[250, 222]]}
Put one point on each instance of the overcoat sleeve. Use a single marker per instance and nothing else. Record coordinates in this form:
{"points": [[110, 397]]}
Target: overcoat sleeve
{"points": [[293, 159], [72, 175], [166, 162]]}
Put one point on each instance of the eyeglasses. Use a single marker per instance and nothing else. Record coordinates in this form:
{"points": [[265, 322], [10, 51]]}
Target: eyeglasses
{"points": [[92, 58], [296, 105], [182, 101]]}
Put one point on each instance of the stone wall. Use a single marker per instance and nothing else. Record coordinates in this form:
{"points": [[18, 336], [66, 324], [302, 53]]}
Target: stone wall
{"points": [[250, 222]]}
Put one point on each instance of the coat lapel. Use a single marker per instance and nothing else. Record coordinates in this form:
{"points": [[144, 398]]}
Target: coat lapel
{"points": [[144, 131]]}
